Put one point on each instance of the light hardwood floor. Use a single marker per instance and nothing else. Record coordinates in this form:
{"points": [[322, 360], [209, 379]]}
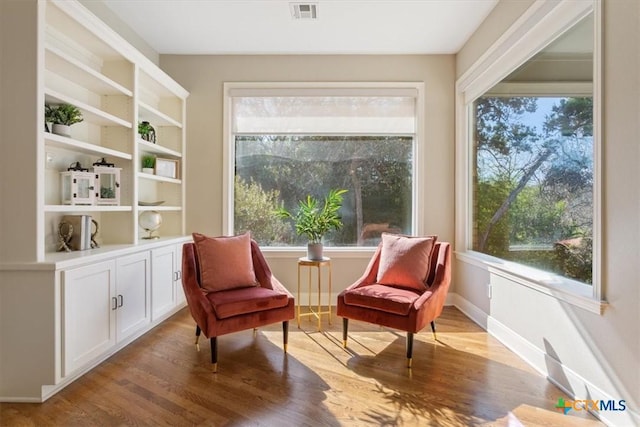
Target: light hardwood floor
{"points": [[466, 378]]}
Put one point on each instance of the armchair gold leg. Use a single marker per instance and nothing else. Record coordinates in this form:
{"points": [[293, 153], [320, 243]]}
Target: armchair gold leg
{"points": [[197, 338], [345, 331], [255, 332], [214, 353], [285, 334], [409, 349]]}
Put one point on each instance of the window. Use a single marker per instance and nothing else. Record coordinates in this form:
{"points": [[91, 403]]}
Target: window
{"points": [[528, 155], [533, 182], [287, 143]]}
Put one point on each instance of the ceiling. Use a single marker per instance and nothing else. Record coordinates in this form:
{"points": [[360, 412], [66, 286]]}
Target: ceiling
{"points": [[267, 26]]}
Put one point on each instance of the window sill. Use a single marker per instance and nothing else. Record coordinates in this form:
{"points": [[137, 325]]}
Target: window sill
{"points": [[566, 290]]}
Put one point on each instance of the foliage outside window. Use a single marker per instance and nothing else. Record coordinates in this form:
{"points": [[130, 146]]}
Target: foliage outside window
{"points": [[273, 170], [533, 182]]}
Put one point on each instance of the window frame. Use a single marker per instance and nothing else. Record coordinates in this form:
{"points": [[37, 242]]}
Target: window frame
{"points": [[536, 28], [322, 89]]}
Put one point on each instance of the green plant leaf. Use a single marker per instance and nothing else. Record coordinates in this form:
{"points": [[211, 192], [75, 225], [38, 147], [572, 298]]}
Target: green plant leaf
{"points": [[63, 114], [314, 221], [148, 161]]}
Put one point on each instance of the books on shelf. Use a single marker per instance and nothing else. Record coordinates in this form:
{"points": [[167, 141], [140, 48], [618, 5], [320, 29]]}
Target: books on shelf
{"points": [[80, 239]]}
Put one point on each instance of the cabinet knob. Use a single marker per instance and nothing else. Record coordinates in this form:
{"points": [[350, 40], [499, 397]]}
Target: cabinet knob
{"points": [[114, 302], [120, 300]]}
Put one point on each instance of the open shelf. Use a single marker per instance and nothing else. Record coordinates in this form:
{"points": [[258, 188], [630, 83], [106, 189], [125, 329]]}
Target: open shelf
{"points": [[161, 85], [81, 35], [156, 117], [160, 208], [157, 148], [90, 113], [58, 141], [159, 178], [71, 69], [86, 208]]}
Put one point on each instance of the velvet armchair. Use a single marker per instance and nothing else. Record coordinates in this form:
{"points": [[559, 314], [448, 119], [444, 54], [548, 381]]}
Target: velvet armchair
{"points": [[403, 308], [234, 309]]}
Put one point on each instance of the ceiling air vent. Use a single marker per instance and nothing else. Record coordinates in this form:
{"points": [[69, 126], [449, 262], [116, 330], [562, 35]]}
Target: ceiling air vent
{"points": [[304, 10]]}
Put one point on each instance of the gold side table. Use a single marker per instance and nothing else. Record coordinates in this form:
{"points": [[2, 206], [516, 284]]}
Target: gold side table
{"points": [[318, 264]]}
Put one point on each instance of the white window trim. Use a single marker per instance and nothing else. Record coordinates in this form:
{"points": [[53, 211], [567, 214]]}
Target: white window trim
{"points": [[541, 89], [319, 89], [543, 22]]}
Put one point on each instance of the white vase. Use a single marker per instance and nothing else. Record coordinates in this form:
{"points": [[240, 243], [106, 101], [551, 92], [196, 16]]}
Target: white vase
{"points": [[147, 170], [62, 130]]}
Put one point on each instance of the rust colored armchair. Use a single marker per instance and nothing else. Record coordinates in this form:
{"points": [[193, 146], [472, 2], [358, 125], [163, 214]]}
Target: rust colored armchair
{"points": [[232, 310], [406, 309]]}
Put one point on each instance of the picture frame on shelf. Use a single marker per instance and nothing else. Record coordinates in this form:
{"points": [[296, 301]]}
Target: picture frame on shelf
{"points": [[167, 168]]}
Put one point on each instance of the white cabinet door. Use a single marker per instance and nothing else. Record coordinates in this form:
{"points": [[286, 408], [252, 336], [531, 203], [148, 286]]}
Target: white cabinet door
{"points": [[133, 297], [163, 300], [90, 302], [180, 298]]}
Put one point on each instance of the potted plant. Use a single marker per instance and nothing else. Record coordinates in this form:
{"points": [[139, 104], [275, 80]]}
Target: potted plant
{"points": [[148, 164], [62, 116], [314, 221], [147, 132]]}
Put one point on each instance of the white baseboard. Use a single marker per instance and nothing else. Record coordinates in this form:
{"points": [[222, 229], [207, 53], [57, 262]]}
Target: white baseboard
{"points": [[18, 399], [470, 310], [451, 299], [49, 390], [573, 384]]}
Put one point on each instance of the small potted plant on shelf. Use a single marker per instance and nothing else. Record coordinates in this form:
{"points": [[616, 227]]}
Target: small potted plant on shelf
{"points": [[315, 221], [62, 116], [147, 132], [148, 164]]}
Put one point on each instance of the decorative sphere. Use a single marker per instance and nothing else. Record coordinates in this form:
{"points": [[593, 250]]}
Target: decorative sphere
{"points": [[150, 221]]}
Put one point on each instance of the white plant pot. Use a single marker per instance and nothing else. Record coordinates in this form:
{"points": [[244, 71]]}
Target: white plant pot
{"points": [[314, 251], [62, 130], [148, 170]]}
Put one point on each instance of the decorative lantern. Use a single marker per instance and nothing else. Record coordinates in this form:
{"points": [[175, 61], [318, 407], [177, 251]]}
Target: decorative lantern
{"points": [[77, 185], [107, 183]]}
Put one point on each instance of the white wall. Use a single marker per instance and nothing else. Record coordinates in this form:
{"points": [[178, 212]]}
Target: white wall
{"points": [[592, 356], [204, 76]]}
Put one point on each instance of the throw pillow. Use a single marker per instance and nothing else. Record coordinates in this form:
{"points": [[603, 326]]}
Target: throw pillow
{"points": [[405, 260], [225, 262]]}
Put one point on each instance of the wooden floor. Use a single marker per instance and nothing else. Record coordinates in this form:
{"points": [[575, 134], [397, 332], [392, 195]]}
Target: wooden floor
{"points": [[467, 378]]}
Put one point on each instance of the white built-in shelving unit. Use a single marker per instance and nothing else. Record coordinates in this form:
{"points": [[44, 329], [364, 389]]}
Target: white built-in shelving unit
{"points": [[61, 313], [114, 88]]}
